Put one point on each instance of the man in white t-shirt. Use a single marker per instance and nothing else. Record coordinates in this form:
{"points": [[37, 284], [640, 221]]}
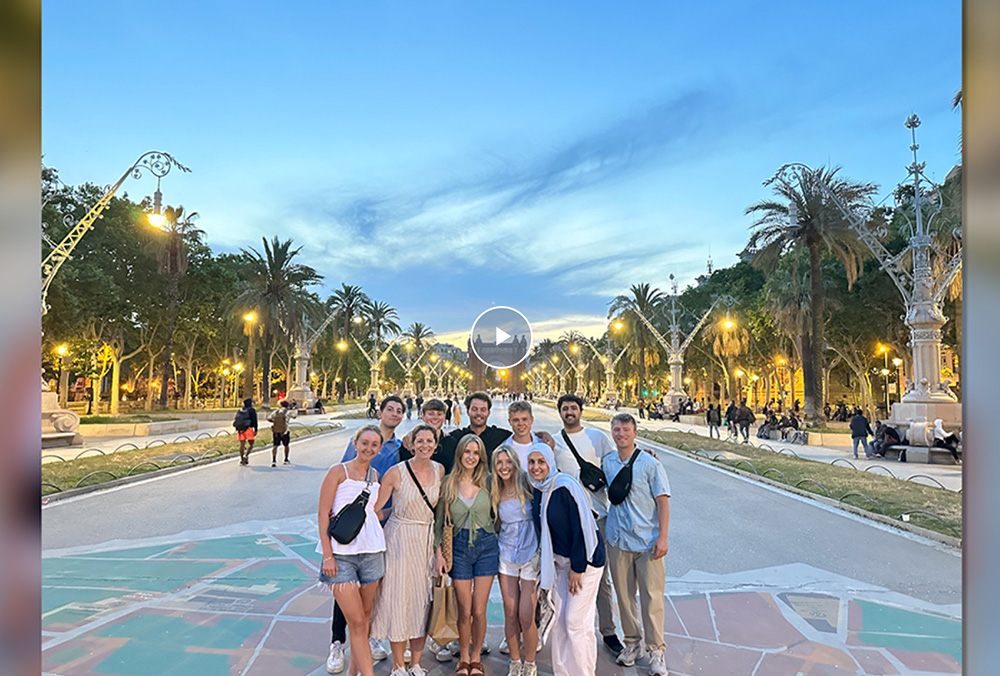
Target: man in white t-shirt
{"points": [[591, 445], [521, 419]]}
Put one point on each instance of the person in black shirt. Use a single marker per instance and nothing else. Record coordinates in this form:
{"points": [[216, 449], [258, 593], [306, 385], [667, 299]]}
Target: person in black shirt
{"points": [[478, 404]]}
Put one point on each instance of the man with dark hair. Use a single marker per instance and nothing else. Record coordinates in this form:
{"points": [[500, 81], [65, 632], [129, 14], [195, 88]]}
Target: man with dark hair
{"points": [[745, 418], [591, 445], [447, 412], [478, 406], [391, 412], [245, 424]]}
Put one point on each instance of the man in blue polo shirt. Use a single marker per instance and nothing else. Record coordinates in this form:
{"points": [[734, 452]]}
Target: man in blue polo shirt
{"points": [[391, 412], [636, 534]]}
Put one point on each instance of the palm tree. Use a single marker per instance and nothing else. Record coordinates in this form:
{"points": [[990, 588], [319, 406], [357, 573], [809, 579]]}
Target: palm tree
{"points": [[275, 287], [381, 320], [806, 220], [171, 247], [348, 301], [420, 335], [638, 337]]}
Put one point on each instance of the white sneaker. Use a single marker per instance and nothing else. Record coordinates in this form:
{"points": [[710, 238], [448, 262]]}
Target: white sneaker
{"points": [[627, 657], [417, 670], [407, 655], [657, 663], [441, 653], [504, 648], [335, 662], [378, 652], [529, 669], [515, 668], [398, 671]]}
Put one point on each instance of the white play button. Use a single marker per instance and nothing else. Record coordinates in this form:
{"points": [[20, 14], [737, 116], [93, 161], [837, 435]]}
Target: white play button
{"points": [[501, 337]]}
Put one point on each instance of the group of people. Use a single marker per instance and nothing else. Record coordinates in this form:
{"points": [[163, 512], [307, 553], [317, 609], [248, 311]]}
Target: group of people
{"points": [[484, 502], [247, 425]]}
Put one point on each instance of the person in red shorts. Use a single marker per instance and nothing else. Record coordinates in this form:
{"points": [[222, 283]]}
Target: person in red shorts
{"points": [[246, 429]]}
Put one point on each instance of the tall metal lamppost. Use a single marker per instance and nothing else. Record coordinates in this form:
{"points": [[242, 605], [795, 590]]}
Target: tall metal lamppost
{"points": [[926, 396], [249, 327]]}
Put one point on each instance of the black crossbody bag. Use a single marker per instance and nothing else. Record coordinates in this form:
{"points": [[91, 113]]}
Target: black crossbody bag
{"points": [[419, 487], [622, 483], [591, 475], [347, 523]]}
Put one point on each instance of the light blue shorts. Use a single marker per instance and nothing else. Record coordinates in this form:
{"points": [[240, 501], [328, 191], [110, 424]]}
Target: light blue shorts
{"points": [[361, 568]]}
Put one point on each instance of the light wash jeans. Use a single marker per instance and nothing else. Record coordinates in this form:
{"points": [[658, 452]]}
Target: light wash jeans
{"points": [[864, 442]]}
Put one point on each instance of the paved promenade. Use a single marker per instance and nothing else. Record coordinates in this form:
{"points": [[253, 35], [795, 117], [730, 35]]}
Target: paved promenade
{"points": [[211, 571]]}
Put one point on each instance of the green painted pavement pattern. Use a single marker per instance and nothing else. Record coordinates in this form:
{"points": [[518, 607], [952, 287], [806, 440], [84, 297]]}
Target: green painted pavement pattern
{"points": [[889, 627]]}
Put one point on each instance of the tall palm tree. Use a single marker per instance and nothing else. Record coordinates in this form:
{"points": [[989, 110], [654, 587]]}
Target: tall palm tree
{"points": [[420, 335], [804, 219], [382, 321], [641, 342], [349, 302], [171, 246], [276, 288]]}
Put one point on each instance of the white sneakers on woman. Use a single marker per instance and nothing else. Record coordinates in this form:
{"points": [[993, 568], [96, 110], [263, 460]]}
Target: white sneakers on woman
{"points": [[335, 662]]}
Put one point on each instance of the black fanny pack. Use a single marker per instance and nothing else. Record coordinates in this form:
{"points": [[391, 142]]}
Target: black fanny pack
{"points": [[347, 523], [591, 475], [622, 483]]}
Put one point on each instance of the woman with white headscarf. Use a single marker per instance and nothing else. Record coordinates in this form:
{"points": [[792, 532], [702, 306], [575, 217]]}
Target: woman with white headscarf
{"points": [[572, 561]]}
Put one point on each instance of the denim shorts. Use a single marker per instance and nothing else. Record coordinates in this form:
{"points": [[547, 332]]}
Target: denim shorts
{"points": [[482, 558], [361, 568]]}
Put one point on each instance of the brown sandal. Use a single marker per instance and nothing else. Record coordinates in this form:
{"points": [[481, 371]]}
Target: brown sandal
{"points": [[463, 669], [476, 669]]}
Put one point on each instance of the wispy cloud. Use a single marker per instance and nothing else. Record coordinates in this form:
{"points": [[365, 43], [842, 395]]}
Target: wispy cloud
{"points": [[541, 212]]}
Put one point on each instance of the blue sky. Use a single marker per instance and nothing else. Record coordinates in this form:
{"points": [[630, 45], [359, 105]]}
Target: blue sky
{"points": [[451, 156]]}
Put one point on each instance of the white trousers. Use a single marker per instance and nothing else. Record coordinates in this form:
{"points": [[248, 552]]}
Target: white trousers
{"points": [[574, 645]]}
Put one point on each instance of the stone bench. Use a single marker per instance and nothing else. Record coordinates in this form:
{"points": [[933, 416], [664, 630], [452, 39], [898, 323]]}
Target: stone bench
{"points": [[922, 454]]}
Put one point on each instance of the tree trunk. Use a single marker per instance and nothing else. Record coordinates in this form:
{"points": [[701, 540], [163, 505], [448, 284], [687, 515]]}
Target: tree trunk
{"points": [[812, 342]]}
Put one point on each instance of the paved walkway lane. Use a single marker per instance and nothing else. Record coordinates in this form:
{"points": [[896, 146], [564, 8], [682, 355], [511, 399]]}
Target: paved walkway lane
{"points": [[212, 571]]}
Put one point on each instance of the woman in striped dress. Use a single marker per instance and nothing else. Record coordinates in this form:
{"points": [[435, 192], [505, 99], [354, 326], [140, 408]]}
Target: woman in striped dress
{"points": [[401, 605]]}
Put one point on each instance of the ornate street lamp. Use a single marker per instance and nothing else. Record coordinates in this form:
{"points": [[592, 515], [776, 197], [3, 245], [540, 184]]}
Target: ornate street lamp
{"points": [[926, 396]]}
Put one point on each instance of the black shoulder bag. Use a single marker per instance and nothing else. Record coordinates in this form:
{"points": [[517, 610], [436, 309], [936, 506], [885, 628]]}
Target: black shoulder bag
{"points": [[591, 475], [347, 523], [622, 483], [419, 487]]}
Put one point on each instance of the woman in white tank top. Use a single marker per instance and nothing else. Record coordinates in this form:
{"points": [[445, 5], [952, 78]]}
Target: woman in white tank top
{"points": [[352, 571]]}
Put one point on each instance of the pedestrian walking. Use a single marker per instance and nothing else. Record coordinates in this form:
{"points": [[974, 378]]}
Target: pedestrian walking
{"points": [[637, 542], [510, 496], [352, 570], [409, 406], [279, 430], [403, 598], [714, 419], [571, 562], [745, 418], [245, 424]]}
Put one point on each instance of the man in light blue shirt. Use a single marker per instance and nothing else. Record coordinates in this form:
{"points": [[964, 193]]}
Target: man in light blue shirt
{"points": [[637, 542]]}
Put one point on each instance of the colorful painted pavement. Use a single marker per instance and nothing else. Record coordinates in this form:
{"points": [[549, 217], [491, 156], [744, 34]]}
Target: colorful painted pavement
{"points": [[242, 600]]}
